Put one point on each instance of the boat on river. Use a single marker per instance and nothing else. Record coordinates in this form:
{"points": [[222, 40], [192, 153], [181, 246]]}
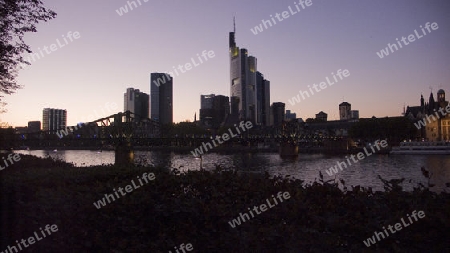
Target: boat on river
{"points": [[422, 148]]}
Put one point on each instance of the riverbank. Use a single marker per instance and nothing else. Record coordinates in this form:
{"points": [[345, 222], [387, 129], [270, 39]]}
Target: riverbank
{"points": [[196, 208]]}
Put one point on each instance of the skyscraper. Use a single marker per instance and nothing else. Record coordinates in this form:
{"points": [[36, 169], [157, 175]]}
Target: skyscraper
{"points": [[214, 110], [243, 70], [161, 97], [206, 110], [277, 113], [249, 91], [262, 100], [136, 102], [206, 101], [221, 106], [53, 119]]}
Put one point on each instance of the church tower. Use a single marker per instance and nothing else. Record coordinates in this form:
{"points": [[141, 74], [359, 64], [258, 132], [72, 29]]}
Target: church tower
{"points": [[441, 96], [431, 103]]}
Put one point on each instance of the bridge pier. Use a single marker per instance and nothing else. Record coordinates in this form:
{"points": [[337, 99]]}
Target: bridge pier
{"points": [[124, 154], [288, 149]]}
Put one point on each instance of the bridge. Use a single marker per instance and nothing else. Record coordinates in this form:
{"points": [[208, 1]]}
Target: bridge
{"points": [[127, 131], [105, 132]]}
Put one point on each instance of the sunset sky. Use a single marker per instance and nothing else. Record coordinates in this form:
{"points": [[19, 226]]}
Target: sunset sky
{"points": [[115, 52]]}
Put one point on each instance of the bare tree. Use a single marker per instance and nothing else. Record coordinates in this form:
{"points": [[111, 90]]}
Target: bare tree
{"points": [[17, 17]]}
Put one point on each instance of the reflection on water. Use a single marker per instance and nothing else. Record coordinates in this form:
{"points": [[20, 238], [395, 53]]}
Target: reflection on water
{"points": [[82, 158], [306, 167]]}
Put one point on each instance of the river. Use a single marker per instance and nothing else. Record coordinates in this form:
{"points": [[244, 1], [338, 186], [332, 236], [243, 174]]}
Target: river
{"points": [[305, 167]]}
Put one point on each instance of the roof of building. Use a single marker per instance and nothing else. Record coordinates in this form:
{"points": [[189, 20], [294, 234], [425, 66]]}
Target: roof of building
{"points": [[414, 110]]}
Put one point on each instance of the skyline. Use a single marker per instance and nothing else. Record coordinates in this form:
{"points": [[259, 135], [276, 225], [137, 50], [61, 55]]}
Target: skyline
{"points": [[114, 52]]}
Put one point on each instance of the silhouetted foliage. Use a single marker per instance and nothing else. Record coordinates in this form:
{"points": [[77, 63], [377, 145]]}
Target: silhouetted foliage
{"points": [[195, 207], [6, 137], [17, 17], [395, 129]]}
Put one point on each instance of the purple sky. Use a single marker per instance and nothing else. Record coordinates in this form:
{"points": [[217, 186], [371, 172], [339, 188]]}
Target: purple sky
{"points": [[116, 52]]}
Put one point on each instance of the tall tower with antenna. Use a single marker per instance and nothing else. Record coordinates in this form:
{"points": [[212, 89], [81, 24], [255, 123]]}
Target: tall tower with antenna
{"points": [[234, 24], [243, 78], [233, 35]]}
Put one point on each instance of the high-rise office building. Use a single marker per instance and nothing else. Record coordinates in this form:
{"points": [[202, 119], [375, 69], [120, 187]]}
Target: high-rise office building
{"points": [[54, 119], [221, 106], [262, 100], [214, 110], [234, 106], [206, 101], [136, 102], [277, 113], [243, 70], [161, 98], [249, 91], [206, 110]]}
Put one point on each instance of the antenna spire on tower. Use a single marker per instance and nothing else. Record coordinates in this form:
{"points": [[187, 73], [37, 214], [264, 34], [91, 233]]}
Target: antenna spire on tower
{"points": [[233, 34]]}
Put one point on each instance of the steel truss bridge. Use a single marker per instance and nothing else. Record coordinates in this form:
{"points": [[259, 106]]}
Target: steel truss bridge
{"points": [[127, 128], [102, 133]]}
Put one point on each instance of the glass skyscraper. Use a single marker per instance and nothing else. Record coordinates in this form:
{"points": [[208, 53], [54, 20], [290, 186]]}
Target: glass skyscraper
{"points": [[161, 98], [245, 95]]}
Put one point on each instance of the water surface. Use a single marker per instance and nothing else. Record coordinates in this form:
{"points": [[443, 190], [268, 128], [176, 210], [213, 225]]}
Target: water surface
{"points": [[306, 167]]}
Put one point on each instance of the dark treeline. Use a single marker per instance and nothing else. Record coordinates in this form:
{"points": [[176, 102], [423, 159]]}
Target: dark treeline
{"points": [[394, 129]]}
